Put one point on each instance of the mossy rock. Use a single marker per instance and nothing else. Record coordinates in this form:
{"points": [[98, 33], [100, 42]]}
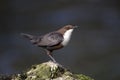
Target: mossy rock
{"points": [[49, 71]]}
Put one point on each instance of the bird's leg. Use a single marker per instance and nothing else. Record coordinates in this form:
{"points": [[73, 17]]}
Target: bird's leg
{"points": [[49, 54]]}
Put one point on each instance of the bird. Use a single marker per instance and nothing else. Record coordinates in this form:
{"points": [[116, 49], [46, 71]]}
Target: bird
{"points": [[53, 40]]}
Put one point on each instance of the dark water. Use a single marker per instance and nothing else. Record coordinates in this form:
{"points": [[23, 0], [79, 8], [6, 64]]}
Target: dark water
{"points": [[94, 49]]}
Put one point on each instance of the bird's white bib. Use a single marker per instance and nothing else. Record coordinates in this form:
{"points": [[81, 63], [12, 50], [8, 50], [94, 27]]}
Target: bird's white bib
{"points": [[67, 36]]}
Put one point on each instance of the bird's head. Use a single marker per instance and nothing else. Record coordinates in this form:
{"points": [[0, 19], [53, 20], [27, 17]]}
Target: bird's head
{"points": [[67, 28]]}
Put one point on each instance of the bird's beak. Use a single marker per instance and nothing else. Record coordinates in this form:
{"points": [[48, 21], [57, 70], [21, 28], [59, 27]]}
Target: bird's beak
{"points": [[75, 26]]}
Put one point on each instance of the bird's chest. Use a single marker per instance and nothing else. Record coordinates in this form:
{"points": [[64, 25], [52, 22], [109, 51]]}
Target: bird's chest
{"points": [[67, 37]]}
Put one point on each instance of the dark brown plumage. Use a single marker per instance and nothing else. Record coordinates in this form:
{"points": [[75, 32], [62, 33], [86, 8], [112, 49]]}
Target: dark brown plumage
{"points": [[53, 40]]}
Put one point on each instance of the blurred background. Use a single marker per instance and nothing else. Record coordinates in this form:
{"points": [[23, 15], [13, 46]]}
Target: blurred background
{"points": [[94, 49]]}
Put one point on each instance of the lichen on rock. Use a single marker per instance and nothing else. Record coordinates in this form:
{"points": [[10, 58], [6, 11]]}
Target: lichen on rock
{"points": [[49, 71]]}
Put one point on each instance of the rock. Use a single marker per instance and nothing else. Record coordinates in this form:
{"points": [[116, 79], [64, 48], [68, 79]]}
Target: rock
{"points": [[49, 71]]}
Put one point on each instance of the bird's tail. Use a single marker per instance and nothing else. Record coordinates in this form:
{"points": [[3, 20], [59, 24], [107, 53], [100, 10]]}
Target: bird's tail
{"points": [[30, 37], [27, 36]]}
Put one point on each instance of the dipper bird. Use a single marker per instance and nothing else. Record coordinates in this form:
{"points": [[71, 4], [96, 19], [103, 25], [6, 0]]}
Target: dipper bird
{"points": [[53, 40]]}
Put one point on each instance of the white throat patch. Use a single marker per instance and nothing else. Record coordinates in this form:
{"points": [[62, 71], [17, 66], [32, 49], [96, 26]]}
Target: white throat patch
{"points": [[67, 36]]}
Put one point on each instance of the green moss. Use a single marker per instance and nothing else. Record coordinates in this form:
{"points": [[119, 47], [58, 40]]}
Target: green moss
{"points": [[49, 71], [41, 71], [83, 77]]}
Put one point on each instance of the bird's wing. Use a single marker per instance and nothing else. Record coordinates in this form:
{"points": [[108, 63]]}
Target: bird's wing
{"points": [[51, 39]]}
